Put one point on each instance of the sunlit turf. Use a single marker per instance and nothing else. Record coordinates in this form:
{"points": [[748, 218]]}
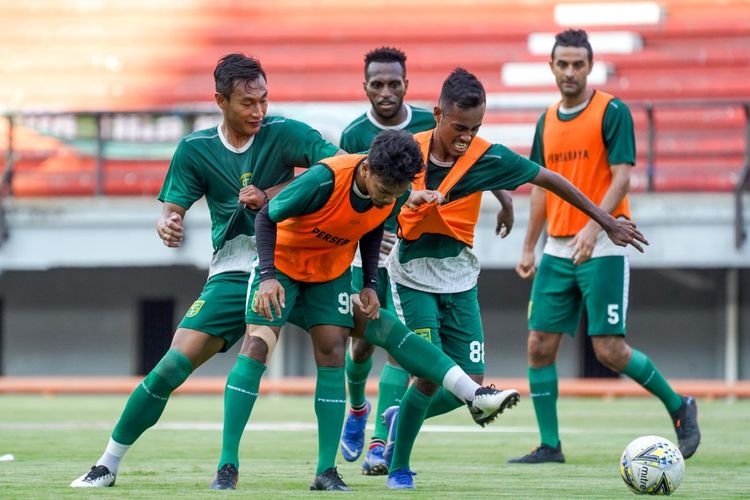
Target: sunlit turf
{"points": [[56, 439]]}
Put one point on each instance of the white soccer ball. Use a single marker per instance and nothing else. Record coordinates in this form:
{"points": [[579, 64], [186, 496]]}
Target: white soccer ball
{"points": [[652, 465]]}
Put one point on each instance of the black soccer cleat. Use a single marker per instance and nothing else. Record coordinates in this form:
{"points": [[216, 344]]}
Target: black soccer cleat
{"points": [[685, 422], [98, 477], [541, 455], [226, 478], [329, 480]]}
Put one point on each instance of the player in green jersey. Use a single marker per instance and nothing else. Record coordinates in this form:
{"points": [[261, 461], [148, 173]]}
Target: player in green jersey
{"points": [[245, 155], [432, 267], [579, 265]]}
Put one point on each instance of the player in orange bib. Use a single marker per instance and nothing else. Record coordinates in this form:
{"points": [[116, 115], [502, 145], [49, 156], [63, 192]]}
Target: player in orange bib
{"points": [[587, 137]]}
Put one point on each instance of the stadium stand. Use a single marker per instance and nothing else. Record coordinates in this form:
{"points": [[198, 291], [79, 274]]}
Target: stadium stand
{"points": [[130, 55]]}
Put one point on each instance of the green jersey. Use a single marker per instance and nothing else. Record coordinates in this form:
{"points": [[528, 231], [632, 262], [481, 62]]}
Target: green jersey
{"points": [[358, 135], [205, 164], [619, 135], [438, 263]]}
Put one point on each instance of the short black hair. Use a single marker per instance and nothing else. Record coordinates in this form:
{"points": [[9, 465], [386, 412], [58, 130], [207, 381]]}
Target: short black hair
{"points": [[573, 38], [395, 157], [462, 89], [386, 55], [236, 68]]}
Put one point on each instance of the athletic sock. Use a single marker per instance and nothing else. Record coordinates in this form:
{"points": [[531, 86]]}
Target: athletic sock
{"points": [[330, 407], [642, 370], [394, 381], [113, 455], [543, 386], [147, 401], [240, 394], [413, 353], [356, 379], [410, 418], [442, 402]]}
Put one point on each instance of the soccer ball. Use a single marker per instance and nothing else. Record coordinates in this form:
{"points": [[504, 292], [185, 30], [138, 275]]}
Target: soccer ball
{"points": [[652, 465]]}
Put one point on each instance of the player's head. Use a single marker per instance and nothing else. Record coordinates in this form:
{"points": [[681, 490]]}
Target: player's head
{"points": [[241, 92], [459, 114], [571, 62], [392, 163], [385, 81]]}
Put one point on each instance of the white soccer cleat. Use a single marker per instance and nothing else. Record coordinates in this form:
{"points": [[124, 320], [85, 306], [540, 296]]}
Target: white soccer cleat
{"points": [[98, 477], [490, 402]]}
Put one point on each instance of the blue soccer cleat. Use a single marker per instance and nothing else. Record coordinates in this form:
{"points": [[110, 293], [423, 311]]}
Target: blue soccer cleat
{"points": [[390, 418], [401, 479], [353, 438], [375, 464]]}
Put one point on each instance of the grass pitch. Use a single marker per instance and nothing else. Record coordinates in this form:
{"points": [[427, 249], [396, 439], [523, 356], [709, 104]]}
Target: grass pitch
{"points": [[56, 439]]}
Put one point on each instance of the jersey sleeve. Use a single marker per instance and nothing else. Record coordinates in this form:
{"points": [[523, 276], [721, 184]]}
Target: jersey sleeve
{"points": [[306, 194], [619, 133], [537, 148], [304, 145], [184, 184], [507, 169]]}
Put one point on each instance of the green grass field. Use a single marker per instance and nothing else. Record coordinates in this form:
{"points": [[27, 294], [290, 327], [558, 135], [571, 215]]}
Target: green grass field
{"points": [[55, 439]]}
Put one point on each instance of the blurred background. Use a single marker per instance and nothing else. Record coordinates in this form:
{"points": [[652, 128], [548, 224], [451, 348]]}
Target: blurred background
{"points": [[95, 94]]}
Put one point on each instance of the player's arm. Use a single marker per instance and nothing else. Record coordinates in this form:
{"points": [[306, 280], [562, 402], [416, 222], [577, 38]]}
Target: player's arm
{"points": [[169, 226], [585, 241], [369, 248], [526, 268], [621, 232], [505, 216]]}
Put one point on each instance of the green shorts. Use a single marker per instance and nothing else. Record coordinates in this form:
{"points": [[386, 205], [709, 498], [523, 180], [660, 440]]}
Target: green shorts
{"points": [[451, 321], [220, 308], [384, 286], [561, 289], [308, 304]]}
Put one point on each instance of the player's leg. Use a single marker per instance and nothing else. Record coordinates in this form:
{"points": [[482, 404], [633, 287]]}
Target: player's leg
{"points": [[605, 283], [205, 330], [554, 308], [328, 310]]}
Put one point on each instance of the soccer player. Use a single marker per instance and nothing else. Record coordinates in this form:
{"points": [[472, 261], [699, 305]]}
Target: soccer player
{"points": [[385, 86], [307, 236], [245, 155], [588, 138], [432, 268]]}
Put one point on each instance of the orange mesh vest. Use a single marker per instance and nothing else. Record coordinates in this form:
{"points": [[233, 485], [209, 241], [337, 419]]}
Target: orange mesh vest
{"points": [[320, 246], [575, 149], [456, 219]]}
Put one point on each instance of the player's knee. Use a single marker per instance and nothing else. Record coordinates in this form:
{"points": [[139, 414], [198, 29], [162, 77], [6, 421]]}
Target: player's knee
{"points": [[361, 350], [541, 353], [425, 386], [260, 344]]}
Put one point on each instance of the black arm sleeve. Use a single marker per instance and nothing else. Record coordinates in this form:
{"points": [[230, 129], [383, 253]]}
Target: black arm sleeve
{"points": [[265, 240], [369, 248]]}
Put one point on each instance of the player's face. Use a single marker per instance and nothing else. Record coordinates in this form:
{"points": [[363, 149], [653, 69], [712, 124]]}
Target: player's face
{"points": [[246, 107], [571, 68], [381, 192], [455, 130], [385, 88]]}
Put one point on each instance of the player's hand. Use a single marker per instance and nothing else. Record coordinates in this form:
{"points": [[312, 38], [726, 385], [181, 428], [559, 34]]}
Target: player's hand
{"points": [[505, 220], [269, 299], [417, 198], [170, 229], [584, 242], [526, 268], [253, 197], [368, 298], [623, 232]]}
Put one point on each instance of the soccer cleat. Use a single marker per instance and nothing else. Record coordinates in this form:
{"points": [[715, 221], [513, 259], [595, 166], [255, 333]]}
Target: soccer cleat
{"points": [[329, 480], [686, 427], [401, 479], [98, 477], [374, 463], [226, 478], [542, 454], [490, 402], [390, 419], [353, 438]]}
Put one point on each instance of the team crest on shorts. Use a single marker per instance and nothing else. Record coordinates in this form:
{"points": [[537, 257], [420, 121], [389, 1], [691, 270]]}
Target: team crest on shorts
{"points": [[195, 308], [425, 333]]}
